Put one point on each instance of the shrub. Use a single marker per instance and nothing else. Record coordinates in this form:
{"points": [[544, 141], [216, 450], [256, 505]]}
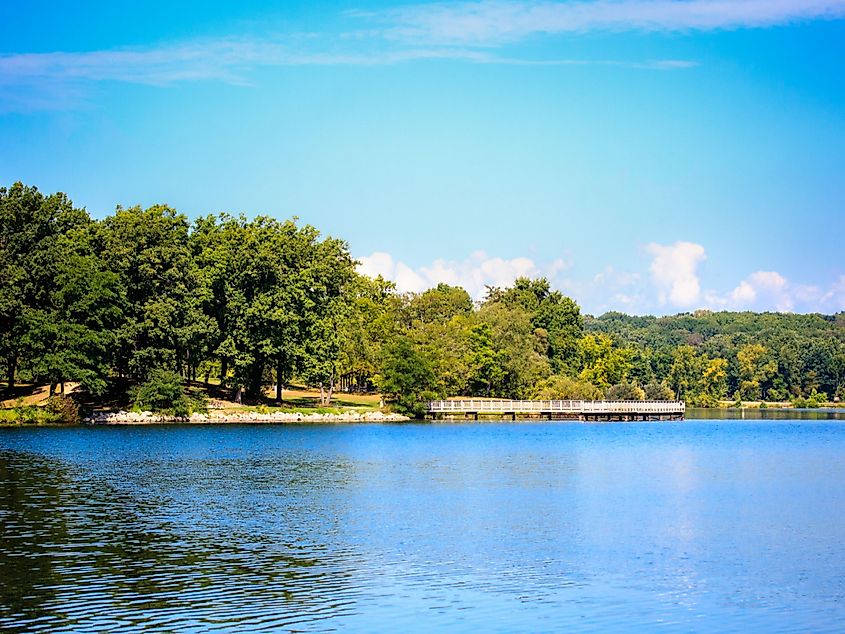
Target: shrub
{"points": [[814, 401], [655, 391], [703, 400], [625, 392], [64, 409], [163, 394], [565, 388], [198, 402]]}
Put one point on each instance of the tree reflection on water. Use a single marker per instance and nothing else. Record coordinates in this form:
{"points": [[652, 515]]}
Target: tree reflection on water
{"points": [[166, 544]]}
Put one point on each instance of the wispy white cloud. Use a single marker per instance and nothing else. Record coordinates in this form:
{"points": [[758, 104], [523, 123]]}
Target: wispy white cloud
{"points": [[466, 31], [834, 298], [37, 81], [227, 59], [489, 23], [48, 80]]}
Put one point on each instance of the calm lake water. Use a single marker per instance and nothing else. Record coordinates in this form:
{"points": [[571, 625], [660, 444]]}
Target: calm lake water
{"points": [[676, 527]]}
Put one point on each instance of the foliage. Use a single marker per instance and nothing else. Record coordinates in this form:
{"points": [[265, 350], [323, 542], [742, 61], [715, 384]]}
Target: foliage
{"points": [[64, 409], [258, 302], [558, 387], [603, 363], [163, 393], [407, 378], [813, 401], [625, 392], [657, 391]]}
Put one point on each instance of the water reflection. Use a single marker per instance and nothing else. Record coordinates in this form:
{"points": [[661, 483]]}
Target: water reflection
{"points": [[147, 543], [784, 414]]}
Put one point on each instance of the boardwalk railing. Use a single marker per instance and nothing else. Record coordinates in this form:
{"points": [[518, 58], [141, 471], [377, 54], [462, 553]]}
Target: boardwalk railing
{"points": [[495, 406]]}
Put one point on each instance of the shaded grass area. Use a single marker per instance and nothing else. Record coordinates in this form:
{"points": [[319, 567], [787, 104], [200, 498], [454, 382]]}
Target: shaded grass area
{"points": [[24, 404]]}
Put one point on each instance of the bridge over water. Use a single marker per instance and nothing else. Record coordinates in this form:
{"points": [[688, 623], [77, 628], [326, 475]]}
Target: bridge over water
{"points": [[561, 410]]}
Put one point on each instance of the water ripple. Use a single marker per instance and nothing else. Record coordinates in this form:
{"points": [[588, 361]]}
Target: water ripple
{"points": [[693, 527]]}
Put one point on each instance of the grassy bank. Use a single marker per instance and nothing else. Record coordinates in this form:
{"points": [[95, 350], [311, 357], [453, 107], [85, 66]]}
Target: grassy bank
{"points": [[30, 404]]}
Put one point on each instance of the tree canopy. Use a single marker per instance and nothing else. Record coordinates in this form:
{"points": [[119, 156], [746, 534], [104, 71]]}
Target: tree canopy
{"points": [[254, 303]]}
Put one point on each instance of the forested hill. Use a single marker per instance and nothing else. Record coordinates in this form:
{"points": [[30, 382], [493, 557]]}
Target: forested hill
{"points": [[795, 355], [253, 304], [697, 328]]}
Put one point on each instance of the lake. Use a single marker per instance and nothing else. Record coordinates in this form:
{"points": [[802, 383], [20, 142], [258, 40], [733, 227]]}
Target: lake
{"points": [[703, 525]]}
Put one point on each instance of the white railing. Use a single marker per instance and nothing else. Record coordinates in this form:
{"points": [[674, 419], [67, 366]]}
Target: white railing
{"points": [[501, 406]]}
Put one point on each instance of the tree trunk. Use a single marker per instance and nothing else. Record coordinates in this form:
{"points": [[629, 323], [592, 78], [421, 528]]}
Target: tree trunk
{"points": [[13, 366], [52, 388], [238, 394], [279, 380], [224, 370], [331, 388], [62, 383], [322, 395]]}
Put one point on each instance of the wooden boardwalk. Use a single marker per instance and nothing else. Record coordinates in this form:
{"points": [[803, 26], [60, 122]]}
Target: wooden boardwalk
{"points": [[564, 410]]}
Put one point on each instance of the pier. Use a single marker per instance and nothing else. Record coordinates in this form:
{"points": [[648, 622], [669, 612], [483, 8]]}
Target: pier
{"points": [[559, 410]]}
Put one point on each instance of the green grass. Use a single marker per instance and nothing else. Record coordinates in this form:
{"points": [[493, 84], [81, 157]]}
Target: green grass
{"points": [[28, 415]]}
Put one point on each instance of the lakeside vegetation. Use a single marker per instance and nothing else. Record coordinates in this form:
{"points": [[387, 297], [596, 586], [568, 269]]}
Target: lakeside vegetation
{"points": [[151, 301]]}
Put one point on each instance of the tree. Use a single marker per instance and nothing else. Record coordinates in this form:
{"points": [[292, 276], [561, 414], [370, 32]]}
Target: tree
{"points": [[519, 350], [602, 363], [440, 304], [370, 323], [714, 380], [72, 335], [163, 393], [148, 249], [756, 368], [566, 388], [625, 392], [487, 370], [655, 391], [685, 373], [31, 226], [407, 378], [274, 292], [558, 316]]}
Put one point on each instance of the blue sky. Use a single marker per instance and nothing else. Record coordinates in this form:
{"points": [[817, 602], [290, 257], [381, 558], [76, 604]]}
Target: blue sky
{"points": [[651, 156]]}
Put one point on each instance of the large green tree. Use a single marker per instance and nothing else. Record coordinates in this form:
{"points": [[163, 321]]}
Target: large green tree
{"points": [[32, 227]]}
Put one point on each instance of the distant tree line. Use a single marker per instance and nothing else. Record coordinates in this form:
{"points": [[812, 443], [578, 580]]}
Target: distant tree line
{"points": [[255, 303]]}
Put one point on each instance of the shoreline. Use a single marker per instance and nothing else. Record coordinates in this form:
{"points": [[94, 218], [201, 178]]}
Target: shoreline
{"points": [[148, 418]]}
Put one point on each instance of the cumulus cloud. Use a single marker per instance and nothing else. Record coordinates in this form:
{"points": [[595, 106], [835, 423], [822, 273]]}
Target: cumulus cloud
{"points": [[494, 22], [673, 282], [674, 271], [474, 273], [770, 290], [768, 286]]}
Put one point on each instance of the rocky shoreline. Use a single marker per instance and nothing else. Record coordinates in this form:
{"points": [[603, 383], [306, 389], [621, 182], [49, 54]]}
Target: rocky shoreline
{"points": [[149, 418]]}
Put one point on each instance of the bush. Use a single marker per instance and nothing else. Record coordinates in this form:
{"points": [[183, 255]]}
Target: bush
{"points": [[625, 392], [814, 401], [63, 409], [655, 391], [197, 402], [565, 388], [703, 400], [163, 394]]}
